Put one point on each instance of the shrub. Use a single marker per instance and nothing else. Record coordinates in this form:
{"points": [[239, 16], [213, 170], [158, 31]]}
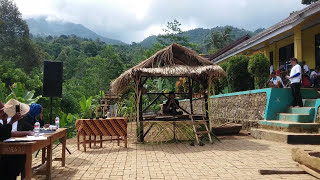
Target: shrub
{"points": [[221, 83], [239, 79], [259, 67]]}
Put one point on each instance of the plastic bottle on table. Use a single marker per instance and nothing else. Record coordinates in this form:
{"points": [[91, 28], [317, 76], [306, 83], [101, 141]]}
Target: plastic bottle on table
{"points": [[36, 129], [57, 122]]}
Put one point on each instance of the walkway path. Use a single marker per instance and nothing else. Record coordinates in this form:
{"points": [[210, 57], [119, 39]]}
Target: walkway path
{"points": [[233, 158]]}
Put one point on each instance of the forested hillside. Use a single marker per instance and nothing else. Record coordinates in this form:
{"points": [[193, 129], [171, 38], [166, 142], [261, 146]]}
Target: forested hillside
{"points": [[200, 35]]}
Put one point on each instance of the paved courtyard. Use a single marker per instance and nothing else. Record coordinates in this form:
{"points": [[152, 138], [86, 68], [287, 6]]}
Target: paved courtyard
{"points": [[235, 157]]}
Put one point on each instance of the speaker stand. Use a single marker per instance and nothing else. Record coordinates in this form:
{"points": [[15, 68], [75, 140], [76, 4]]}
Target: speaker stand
{"points": [[50, 116]]}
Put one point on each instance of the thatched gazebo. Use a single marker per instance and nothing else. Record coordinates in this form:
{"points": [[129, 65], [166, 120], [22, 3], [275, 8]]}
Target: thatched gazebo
{"points": [[173, 61]]}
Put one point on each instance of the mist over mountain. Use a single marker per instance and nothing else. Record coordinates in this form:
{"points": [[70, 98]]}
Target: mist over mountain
{"points": [[41, 27]]}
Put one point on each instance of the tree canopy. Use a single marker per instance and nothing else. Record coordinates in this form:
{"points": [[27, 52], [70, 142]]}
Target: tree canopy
{"points": [[307, 2], [15, 43]]}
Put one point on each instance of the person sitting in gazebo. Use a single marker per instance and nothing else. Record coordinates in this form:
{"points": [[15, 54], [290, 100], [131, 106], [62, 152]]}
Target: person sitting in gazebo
{"points": [[172, 105]]}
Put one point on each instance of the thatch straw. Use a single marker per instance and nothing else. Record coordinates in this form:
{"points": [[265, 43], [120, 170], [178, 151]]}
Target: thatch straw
{"points": [[174, 60]]}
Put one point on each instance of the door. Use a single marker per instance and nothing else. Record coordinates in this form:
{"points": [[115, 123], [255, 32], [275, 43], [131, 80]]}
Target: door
{"points": [[317, 49]]}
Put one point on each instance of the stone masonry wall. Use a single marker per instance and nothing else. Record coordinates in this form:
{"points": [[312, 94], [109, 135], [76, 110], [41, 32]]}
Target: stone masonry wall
{"points": [[246, 109], [198, 106], [318, 115]]}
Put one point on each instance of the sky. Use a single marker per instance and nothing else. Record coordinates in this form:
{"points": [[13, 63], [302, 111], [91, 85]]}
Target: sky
{"points": [[134, 20]]}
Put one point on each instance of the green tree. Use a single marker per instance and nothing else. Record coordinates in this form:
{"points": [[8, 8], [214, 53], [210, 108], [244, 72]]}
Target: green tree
{"points": [[15, 44], [238, 76], [10, 75], [173, 34], [259, 67], [308, 1], [89, 48], [62, 56], [219, 39], [3, 91]]}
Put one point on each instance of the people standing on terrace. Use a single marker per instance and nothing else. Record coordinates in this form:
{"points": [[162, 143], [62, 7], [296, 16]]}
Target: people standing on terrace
{"points": [[295, 82]]}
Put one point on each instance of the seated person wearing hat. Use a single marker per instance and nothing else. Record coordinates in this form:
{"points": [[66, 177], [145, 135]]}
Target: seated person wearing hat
{"points": [[172, 105], [10, 111], [11, 165], [275, 81]]}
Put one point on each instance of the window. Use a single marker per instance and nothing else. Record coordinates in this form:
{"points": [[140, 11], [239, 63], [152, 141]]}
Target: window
{"points": [[285, 53]]}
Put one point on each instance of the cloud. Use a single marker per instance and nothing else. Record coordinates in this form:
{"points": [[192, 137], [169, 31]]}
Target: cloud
{"points": [[130, 20]]}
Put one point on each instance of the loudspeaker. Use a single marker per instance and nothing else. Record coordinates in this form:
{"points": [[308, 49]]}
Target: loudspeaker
{"points": [[52, 79]]}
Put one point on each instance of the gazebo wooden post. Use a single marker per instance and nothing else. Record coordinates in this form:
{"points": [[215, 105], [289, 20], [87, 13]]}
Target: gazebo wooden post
{"points": [[208, 103], [140, 118], [205, 97], [190, 94]]}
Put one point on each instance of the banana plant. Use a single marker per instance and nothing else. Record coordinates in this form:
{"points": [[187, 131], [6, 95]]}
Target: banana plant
{"points": [[19, 92], [85, 105], [68, 121]]}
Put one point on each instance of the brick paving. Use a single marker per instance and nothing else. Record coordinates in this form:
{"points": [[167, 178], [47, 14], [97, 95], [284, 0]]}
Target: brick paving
{"points": [[235, 157]]}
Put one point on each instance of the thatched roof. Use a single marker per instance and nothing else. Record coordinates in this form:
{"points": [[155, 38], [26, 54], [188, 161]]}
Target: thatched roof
{"points": [[174, 60]]}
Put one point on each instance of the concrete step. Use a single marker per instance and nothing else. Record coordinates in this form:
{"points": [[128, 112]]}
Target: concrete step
{"points": [[289, 126], [286, 137], [301, 118], [301, 110], [309, 102]]}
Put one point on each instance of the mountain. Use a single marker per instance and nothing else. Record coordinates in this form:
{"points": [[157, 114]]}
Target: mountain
{"points": [[199, 35], [41, 27]]}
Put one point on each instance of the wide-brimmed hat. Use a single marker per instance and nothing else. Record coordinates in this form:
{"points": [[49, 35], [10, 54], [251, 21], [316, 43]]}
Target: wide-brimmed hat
{"points": [[10, 108]]}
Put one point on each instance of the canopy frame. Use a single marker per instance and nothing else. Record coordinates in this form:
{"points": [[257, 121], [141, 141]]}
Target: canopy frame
{"points": [[140, 121]]}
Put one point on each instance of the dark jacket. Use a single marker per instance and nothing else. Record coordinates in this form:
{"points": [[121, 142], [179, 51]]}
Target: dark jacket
{"points": [[5, 131], [27, 124]]}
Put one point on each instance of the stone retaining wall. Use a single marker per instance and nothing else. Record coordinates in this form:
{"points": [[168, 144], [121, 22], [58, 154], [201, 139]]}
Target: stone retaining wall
{"points": [[198, 106], [318, 115], [246, 109]]}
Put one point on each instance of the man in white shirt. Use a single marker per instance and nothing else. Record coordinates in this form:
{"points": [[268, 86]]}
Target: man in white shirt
{"points": [[315, 77], [295, 82], [275, 81]]}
